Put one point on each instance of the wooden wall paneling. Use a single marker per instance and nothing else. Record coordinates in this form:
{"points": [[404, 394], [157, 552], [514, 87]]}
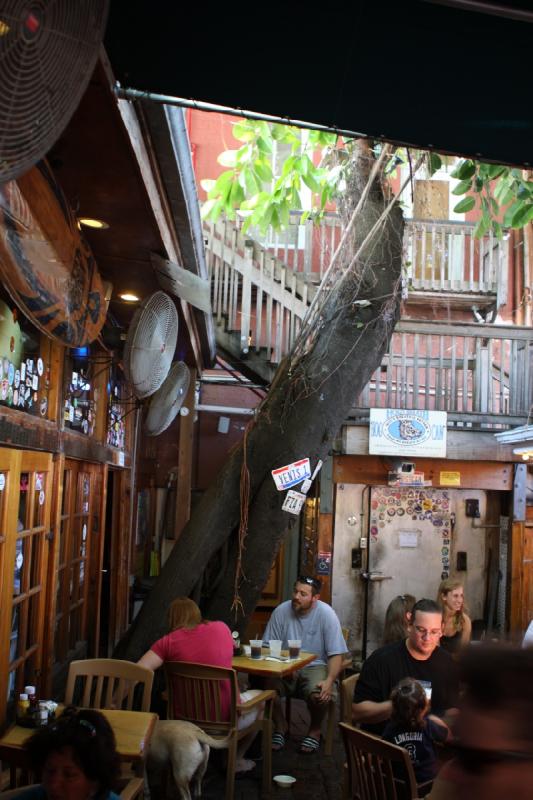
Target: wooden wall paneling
{"points": [[97, 540], [53, 561], [56, 361], [373, 470], [10, 467], [185, 453], [515, 578], [120, 546]]}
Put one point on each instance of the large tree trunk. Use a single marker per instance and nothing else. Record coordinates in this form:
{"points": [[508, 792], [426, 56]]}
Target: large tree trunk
{"points": [[301, 416]]}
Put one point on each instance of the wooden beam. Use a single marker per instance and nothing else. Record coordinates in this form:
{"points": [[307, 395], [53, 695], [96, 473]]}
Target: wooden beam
{"points": [[516, 626], [373, 471], [185, 451], [460, 445], [182, 283]]}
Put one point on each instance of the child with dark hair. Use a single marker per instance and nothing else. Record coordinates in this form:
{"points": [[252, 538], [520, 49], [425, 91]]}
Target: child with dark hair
{"points": [[76, 758], [413, 729]]}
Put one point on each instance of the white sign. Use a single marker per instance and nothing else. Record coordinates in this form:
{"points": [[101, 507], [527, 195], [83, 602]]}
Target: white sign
{"points": [[292, 474], [408, 539], [293, 502], [394, 432]]}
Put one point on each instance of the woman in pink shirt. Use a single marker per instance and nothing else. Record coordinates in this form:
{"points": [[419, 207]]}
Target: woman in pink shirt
{"points": [[195, 640]]}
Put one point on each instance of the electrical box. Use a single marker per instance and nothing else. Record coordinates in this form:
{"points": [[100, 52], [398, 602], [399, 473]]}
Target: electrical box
{"points": [[363, 542], [357, 561], [461, 561], [472, 508]]}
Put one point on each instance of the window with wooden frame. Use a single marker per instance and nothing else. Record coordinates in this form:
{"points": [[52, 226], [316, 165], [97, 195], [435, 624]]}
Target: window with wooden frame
{"points": [[72, 578], [26, 512]]}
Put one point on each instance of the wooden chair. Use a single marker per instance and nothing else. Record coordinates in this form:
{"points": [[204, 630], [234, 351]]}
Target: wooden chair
{"points": [[194, 694], [347, 689], [109, 683], [377, 770]]}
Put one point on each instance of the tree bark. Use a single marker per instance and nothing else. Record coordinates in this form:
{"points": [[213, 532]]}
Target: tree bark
{"points": [[300, 417]]}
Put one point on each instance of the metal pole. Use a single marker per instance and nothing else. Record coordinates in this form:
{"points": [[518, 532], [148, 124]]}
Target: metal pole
{"points": [[169, 100]]}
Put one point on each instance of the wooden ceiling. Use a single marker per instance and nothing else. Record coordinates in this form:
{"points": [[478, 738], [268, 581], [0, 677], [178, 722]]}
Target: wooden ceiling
{"points": [[98, 171]]}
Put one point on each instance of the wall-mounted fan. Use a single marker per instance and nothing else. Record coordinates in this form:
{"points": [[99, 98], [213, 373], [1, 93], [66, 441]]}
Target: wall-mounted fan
{"points": [[150, 344], [48, 51], [167, 401]]}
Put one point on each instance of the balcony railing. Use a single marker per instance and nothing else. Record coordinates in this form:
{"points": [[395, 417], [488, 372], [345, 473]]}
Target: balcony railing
{"points": [[482, 375], [440, 256]]}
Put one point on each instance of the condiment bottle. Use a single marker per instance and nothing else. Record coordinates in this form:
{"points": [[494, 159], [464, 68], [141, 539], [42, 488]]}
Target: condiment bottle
{"points": [[43, 714], [33, 710], [23, 705]]}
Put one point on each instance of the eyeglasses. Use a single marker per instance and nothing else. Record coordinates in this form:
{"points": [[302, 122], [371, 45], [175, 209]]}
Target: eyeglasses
{"points": [[314, 582], [425, 634]]}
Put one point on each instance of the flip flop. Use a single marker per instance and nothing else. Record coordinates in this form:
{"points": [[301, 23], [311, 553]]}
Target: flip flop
{"points": [[278, 741], [309, 745]]}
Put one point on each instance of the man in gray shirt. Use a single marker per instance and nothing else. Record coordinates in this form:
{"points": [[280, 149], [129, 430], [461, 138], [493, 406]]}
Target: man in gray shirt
{"points": [[307, 618]]}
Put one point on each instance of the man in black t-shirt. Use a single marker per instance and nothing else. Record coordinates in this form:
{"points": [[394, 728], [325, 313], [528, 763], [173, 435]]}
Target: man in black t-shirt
{"points": [[418, 657]]}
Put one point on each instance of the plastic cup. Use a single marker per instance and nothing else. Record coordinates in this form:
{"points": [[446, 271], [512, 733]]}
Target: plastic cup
{"points": [[275, 647], [246, 650], [294, 647], [256, 645]]}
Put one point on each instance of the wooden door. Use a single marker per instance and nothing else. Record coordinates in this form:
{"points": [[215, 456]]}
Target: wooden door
{"points": [[78, 561], [24, 550]]}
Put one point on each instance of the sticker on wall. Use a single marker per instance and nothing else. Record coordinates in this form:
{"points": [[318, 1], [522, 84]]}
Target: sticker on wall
{"points": [[16, 397], [2, 481], [41, 497], [293, 502], [35, 383], [291, 474], [43, 408], [11, 374], [19, 561], [40, 366], [84, 532], [323, 564], [23, 372], [39, 481], [17, 378]]}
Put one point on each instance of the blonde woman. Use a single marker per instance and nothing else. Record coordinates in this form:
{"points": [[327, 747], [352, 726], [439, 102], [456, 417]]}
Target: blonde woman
{"points": [[456, 624]]}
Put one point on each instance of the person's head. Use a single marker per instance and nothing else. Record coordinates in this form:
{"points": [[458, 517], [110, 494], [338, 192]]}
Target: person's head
{"points": [[397, 618], [497, 702], [183, 613], [409, 704], [76, 756], [424, 629], [451, 598], [306, 594]]}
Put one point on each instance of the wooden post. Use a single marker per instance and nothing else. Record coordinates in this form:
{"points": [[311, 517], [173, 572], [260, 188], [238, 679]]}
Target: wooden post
{"points": [[185, 451]]}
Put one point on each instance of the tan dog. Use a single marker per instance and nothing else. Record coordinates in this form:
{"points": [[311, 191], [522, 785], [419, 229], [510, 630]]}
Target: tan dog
{"points": [[184, 748]]}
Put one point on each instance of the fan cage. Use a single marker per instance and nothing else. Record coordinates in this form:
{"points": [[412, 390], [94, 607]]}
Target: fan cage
{"points": [[48, 51], [150, 344], [167, 401]]}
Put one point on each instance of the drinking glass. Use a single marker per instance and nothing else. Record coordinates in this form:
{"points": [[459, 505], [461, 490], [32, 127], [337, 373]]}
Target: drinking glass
{"points": [[256, 645], [275, 647], [294, 647]]}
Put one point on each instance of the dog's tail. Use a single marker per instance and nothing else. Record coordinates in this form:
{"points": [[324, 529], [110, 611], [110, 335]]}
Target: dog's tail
{"points": [[215, 744]]}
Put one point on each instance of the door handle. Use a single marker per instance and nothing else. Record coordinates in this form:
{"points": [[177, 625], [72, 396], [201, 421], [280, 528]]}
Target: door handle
{"points": [[376, 576]]}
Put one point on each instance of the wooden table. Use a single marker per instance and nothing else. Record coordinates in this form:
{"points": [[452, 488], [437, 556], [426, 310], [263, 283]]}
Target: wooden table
{"points": [[132, 729], [271, 669]]}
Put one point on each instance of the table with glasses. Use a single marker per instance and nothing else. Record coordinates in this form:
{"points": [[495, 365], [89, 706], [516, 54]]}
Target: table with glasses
{"points": [[269, 667], [133, 731]]}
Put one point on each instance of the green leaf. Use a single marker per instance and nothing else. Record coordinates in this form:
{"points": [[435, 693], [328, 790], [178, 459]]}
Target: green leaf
{"points": [[464, 169], [223, 181], [228, 158], [522, 216], [243, 132], [464, 205], [435, 163], [236, 195], [495, 171], [511, 211], [462, 187], [263, 170], [207, 207], [482, 226], [207, 184]]}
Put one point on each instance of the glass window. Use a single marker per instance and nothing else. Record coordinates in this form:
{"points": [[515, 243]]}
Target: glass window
{"points": [[79, 411]]}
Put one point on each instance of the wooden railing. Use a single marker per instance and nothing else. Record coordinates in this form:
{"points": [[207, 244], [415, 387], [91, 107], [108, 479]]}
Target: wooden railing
{"points": [[482, 375], [253, 293], [444, 256], [440, 256]]}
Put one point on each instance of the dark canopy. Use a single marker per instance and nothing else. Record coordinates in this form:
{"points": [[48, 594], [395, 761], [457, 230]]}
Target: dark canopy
{"points": [[421, 73]]}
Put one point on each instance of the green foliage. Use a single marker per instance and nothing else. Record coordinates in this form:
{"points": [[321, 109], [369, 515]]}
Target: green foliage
{"points": [[500, 193], [249, 186]]}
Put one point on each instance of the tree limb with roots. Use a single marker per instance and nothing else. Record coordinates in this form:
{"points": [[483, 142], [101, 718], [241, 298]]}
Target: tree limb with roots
{"points": [[225, 553]]}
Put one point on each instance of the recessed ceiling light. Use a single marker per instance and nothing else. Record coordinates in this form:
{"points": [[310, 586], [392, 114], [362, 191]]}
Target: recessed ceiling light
{"points": [[92, 222], [129, 297]]}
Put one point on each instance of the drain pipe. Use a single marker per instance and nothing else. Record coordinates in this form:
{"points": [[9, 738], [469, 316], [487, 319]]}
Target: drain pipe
{"points": [[366, 576]]}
